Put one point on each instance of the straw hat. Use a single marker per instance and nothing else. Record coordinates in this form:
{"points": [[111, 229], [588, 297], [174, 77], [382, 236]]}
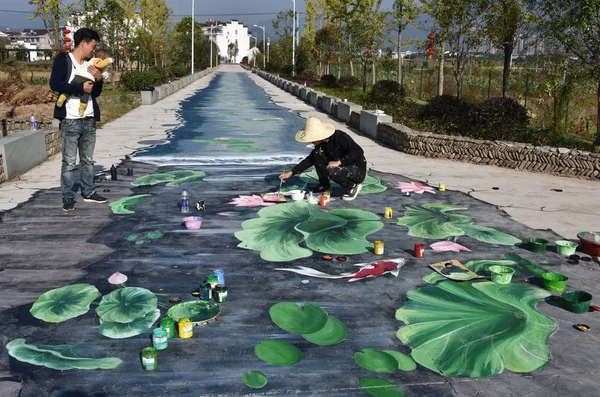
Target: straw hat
{"points": [[315, 130]]}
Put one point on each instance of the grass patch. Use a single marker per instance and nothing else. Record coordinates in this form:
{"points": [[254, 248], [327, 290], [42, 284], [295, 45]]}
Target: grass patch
{"points": [[114, 104]]}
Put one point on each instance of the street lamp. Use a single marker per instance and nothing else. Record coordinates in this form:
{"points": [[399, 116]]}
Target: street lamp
{"points": [[255, 40], [268, 46], [210, 41], [264, 52], [193, 23], [294, 41]]}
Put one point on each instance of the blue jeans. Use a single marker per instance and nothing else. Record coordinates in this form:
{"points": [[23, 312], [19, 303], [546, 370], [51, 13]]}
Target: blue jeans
{"points": [[77, 134]]}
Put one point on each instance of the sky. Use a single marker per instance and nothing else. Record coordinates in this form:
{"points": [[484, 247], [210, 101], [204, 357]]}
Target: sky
{"points": [[14, 13]]}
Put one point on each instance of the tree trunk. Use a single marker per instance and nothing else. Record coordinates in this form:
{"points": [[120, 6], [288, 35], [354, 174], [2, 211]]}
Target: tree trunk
{"points": [[508, 51], [351, 68], [400, 55], [339, 68], [374, 78], [441, 71], [597, 140], [364, 76]]}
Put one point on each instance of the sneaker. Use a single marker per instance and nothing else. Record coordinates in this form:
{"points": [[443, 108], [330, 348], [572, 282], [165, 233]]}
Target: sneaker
{"points": [[352, 193], [95, 198], [68, 204], [321, 189]]}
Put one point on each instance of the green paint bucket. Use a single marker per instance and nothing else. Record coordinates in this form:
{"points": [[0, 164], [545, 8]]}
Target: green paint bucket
{"points": [[566, 248], [501, 274], [537, 244], [577, 301], [555, 282]]}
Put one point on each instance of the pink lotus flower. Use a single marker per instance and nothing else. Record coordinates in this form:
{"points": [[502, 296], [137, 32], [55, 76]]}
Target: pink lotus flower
{"points": [[414, 187], [228, 213], [250, 201], [222, 139], [444, 246], [117, 278]]}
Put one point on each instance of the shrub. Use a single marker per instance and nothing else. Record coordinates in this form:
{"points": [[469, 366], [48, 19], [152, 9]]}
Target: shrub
{"points": [[498, 119], [349, 82], [310, 75], [449, 112], [177, 71], [386, 91], [136, 81], [329, 81]]}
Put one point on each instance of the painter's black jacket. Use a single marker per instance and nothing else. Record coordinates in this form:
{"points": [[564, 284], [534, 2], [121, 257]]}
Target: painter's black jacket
{"points": [[59, 82], [339, 147]]}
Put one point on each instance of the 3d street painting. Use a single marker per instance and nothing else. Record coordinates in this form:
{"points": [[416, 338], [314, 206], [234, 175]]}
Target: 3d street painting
{"points": [[292, 323]]}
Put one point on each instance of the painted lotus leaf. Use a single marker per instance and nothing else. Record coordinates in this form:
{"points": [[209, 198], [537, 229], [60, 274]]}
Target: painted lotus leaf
{"points": [[380, 388], [293, 318], [274, 233], [63, 303], [132, 237], [154, 235], [278, 353], [537, 270], [438, 221], [125, 305], [479, 266], [138, 326], [376, 361], [235, 144], [280, 229], [332, 333], [340, 232], [255, 379], [476, 330], [434, 221], [174, 178], [489, 235], [121, 206], [405, 363], [59, 357], [199, 310]]}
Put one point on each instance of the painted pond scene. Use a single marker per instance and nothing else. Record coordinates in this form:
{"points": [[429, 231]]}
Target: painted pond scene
{"points": [[410, 289]]}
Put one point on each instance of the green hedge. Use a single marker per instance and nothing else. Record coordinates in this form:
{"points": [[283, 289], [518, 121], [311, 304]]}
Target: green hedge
{"points": [[138, 80]]}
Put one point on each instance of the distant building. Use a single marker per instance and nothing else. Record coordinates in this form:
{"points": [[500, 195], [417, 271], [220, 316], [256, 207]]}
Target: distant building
{"points": [[226, 33], [37, 42]]}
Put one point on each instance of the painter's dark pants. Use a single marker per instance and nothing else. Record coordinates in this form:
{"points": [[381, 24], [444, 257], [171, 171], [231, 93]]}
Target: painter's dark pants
{"points": [[345, 176]]}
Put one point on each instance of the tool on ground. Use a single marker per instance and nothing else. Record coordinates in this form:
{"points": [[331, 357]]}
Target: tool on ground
{"points": [[454, 270]]}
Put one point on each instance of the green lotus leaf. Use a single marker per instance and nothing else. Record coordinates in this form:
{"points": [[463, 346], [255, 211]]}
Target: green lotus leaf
{"points": [[476, 330], [59, 357], [139, 242], [478, 266], [153, 179], [197, 311], [405, 363], [138, 326], [340, 232], [274, 233], [537, 270], [278, 353], [376, 360], [132, 237], [489, 235], [174, 178], [293, 318], [121, 206], [252, 150], [255, 379], [154, 235], [332, 333], [125, 305], [434, 221], [63, 303], [280, 229], [380, 388]]}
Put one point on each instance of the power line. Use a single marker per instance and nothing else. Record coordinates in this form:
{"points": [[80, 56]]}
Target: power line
{"points": [[18, 12]]}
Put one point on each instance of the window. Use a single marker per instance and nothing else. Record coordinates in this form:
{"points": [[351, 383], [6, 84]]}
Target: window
{"points": [[236, 32]]}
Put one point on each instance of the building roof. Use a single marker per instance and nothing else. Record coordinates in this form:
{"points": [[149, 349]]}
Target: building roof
{"points": [[37, 32]]}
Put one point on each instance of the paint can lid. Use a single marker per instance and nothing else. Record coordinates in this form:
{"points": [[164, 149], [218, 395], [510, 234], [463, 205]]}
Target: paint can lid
{"points": [[582, 327]]}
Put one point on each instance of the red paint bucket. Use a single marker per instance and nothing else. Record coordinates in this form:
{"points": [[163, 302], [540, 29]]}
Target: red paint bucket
{"points": [[419, 250]]}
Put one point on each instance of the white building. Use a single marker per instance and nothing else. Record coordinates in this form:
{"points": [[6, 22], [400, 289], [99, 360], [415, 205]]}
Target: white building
{"points": [[37, 42], [226, 33]]}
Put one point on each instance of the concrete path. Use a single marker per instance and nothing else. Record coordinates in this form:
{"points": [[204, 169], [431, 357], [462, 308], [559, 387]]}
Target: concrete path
{"points": [[527, 197]]}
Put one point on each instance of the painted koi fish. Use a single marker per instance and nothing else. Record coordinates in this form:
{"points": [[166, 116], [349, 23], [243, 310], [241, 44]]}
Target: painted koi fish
{"points": [[373, 269]]}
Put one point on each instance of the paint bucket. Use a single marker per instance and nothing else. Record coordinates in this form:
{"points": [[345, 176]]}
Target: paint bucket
{"points": [[590, 242], [577, 301], [419, 250], [442, 187], [297, 195], [537, 244], [193, 222], [501, 274], [566, 248], [555, 282]]}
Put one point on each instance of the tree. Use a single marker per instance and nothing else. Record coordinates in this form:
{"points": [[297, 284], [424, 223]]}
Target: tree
{"points": [[180, 43], [284, 23], [326, 40], [404, 13], [504, 19], [51, 12], [154, 15], [576, 26]]}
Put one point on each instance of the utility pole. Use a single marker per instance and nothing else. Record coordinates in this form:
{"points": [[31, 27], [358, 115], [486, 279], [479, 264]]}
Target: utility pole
{"points": [[294, 40], [193, 23]]}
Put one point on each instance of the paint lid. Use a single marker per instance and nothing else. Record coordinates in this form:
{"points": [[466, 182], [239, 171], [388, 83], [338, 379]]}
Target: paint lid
{"points": [[175, 299], [582, 327], [327, 257], [573, 262], [218, 272], [575, 257], [586, 258], [341, 258]]}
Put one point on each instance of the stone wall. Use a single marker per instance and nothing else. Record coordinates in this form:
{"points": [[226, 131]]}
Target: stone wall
{"points": [[520, 156], [53, 141], [12, 126], [1, 170]]}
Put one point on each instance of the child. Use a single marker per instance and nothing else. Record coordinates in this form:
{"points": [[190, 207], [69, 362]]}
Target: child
{"points": [[101, 61]]}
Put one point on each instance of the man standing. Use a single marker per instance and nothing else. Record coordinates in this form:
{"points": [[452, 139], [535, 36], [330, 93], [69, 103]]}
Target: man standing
{"points": [[335, 156], [78, 132]]}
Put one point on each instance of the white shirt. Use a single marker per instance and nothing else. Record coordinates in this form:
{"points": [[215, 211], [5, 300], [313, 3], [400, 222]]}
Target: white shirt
{"points": [[72, 104]]}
